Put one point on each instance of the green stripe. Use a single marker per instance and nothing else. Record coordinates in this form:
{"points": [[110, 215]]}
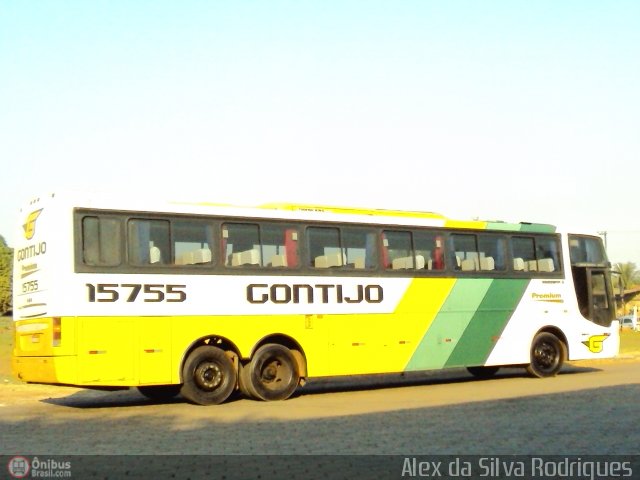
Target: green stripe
{"points": [[484, 329], [538, 228], [511, 227], [449, 325], [522, 227]]}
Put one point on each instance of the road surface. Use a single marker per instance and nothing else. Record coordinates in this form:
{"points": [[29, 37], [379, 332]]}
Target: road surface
{"points": [[591, 408]]}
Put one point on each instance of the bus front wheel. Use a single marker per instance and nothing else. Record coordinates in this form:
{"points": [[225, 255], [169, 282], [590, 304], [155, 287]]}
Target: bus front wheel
{"points": [[209, 376], [548, 353], [272, 373]]}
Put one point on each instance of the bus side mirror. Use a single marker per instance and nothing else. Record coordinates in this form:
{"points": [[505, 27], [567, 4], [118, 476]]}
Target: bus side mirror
{"points": [[621, 287], [619, 284], [618, 276]]}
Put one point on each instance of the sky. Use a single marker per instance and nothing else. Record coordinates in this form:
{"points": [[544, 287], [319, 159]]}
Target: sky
{"points": [[502, 110]]}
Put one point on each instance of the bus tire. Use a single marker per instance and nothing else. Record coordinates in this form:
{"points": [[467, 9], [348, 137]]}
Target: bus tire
{"points": [[483, 372], [548, 353], [245, 384], [209, 376], [272, 373], [160, 392]]}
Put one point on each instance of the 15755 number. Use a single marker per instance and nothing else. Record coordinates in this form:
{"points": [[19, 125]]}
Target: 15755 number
{"points": [[130, 292]]}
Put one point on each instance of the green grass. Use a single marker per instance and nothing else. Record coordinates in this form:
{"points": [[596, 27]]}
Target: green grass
{"points": [[6, 344], [629, 342]]}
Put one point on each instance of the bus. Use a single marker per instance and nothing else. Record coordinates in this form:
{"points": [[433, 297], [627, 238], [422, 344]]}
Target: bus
{"points": [[210, 300]]}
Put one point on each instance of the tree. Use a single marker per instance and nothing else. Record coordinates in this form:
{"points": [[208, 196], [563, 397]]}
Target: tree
{"points": [[6, 280], [629, 273]]}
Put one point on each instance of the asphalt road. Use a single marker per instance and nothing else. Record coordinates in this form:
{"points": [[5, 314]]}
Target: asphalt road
{"points": [[589, 409]]}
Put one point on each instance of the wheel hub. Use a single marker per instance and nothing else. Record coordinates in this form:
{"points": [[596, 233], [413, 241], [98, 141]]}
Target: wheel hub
{"points": [[270, 372], [208, 375], [545, 355]]}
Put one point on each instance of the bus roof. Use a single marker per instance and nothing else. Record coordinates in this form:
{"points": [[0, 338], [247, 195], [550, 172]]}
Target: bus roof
{"points": [[292, 211], [351, 210]]}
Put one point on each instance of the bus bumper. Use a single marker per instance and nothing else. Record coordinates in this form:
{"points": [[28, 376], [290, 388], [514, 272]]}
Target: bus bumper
{"points": [[57, 369]]}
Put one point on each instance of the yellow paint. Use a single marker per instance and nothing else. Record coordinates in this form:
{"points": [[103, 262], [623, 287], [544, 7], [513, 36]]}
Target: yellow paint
{"points": [[352, 210], [377, 343], [33, 337], [106, 354], [425, 294], [594, 343], [29, 225], [474, 224], [122, 351], [154, 350], [61, 370]]}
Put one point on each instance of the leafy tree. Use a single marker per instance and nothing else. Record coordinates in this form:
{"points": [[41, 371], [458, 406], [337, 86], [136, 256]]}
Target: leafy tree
{"points": [[629, 273], [6, 264]]}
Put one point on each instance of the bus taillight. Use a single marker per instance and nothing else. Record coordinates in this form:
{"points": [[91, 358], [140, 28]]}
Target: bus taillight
{"points": [[57, 332]]}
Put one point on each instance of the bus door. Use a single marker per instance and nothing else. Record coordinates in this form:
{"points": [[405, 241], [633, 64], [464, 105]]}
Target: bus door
{"points": [[594, 293]]}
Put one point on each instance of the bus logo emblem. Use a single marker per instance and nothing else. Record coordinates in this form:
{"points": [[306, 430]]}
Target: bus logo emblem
{"points": [[594, 343], [30, 224]]}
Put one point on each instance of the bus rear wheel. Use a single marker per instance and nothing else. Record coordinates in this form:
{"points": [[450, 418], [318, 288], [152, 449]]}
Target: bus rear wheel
{"points": [[548, 353], [244, 383], [209, 376], [272, 373]]}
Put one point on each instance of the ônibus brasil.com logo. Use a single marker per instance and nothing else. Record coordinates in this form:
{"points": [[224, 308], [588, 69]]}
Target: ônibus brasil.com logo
{"points": [[20, 467]]}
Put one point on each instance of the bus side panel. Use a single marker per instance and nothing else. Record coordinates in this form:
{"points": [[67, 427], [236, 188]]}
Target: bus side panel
{"points": [[488, 322], [534, 312], [384, 343], [439, 338], [552, 305], [154, 351], [245, 332], [106, 354]]}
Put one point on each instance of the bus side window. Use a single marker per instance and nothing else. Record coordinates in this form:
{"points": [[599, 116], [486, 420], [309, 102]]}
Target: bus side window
{"points": [[523, 254], [464, 252], [192, 242], [429, 250], [324, 247], [242, 242], [101, 240], [399, 250], [148, 242], [358, 247], [279, 246], [547, 254], [492, 250], [385, 250], [291, 247]]}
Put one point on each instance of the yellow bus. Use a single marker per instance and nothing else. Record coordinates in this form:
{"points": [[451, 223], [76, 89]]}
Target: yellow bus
{"points": [[203, 300]]}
